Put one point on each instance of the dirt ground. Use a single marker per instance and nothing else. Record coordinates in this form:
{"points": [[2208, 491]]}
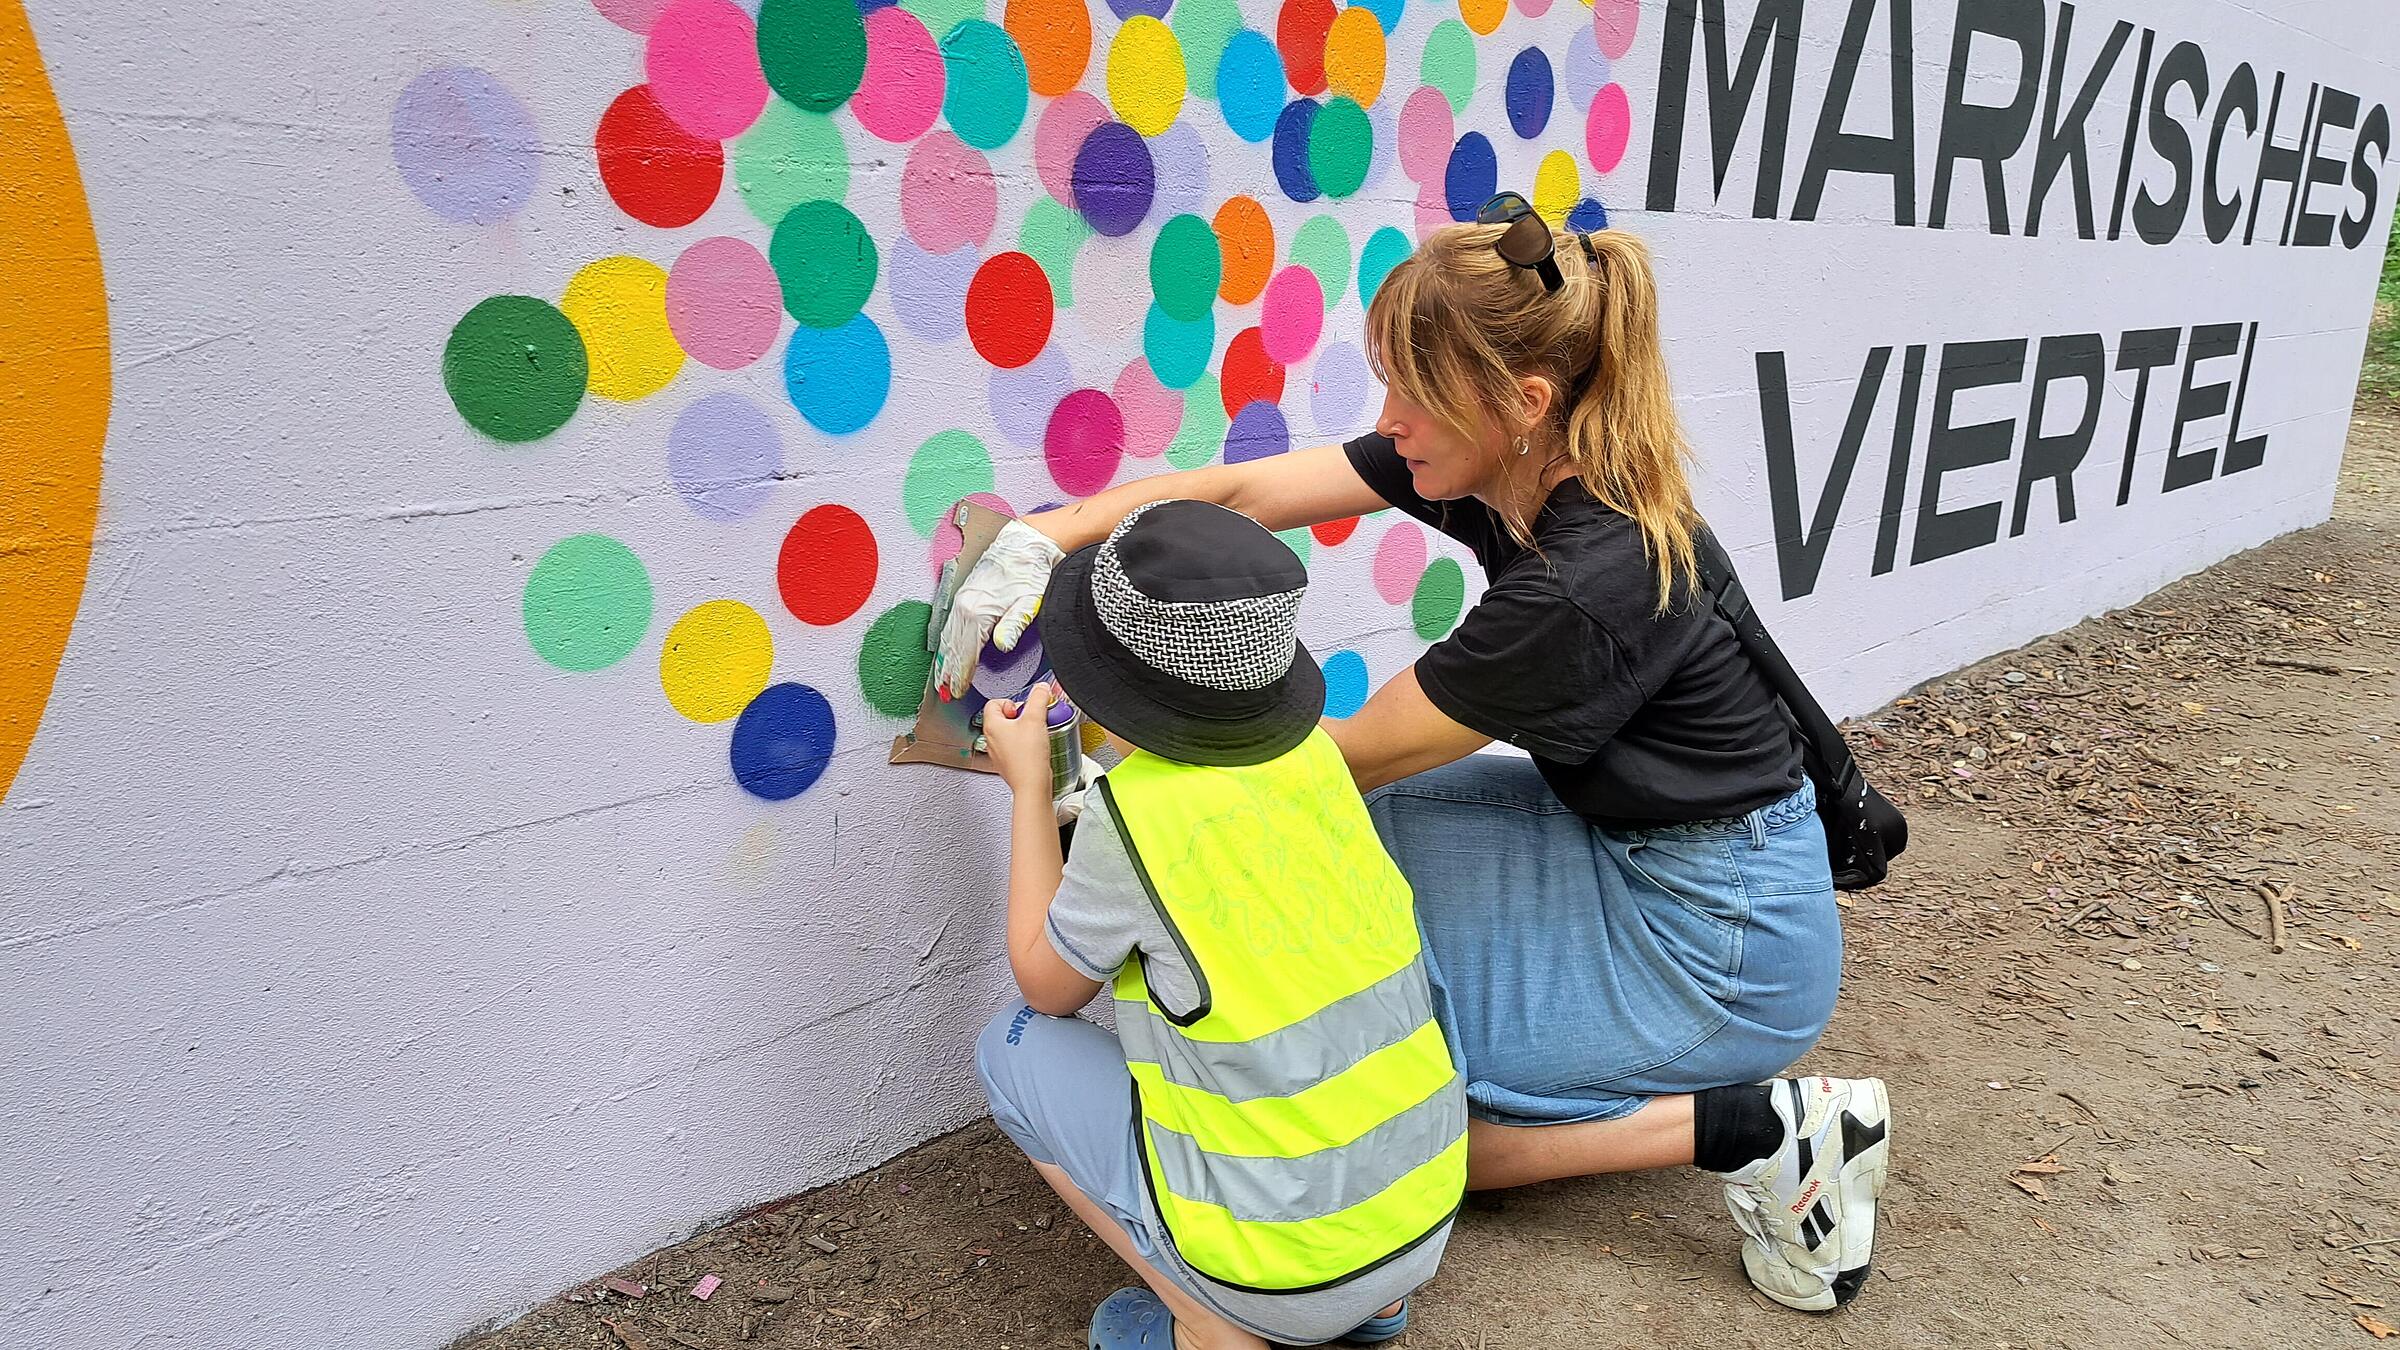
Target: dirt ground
{"points": [[2133, 988]]}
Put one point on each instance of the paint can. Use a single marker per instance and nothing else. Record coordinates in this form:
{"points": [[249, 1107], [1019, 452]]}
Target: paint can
{"points": [[1066, 747]]}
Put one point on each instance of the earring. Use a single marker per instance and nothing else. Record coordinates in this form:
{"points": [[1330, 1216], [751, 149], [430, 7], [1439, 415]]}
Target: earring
{"points": [[1523, 446]]}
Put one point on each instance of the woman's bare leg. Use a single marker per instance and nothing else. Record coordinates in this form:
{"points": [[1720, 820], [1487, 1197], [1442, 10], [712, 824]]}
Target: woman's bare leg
{"points": [[1657, 1135]]}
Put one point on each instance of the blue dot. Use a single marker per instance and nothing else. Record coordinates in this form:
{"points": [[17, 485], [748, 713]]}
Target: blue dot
{"points": [[1250, 85], [1259, 432], [1473, 177], [870, 6], [1292, 171], [1588, 215], [1531, 90], [1177, 349], [838, 377], [1387, 12], [1384, 251], [782, 741], [1345, 683]]}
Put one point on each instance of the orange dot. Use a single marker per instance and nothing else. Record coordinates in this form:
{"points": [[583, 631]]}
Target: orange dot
{"points": [[1483, 16], [1056, 38], [1354, 55], [1247, 239]]}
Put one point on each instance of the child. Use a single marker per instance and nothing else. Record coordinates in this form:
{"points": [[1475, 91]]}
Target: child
{"points": [[1275, 1140]]}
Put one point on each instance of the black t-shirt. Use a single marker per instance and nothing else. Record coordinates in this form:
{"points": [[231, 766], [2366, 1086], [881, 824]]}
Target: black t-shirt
{"points": [[1634, 717]]}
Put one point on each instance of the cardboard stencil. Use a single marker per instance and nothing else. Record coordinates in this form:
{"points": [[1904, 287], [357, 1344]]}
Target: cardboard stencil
{"points": [[945, 728]]}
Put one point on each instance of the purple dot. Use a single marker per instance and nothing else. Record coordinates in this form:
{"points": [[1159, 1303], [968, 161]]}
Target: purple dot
{"points": [[1113, 179], [1126, 9], [929, 290], [724, 456], [1258, 432], [1023, 399], [1180, 158], [465, 146]]}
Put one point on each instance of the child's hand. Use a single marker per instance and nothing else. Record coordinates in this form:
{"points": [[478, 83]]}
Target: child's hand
{"points": [[1018, 737]]}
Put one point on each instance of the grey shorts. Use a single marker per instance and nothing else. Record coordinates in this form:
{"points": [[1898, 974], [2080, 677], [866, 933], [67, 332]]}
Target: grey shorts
{"points": [[1059, 1087]]}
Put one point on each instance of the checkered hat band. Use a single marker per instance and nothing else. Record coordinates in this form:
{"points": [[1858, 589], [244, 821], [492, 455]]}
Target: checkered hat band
{"points": [[1231, 645]]}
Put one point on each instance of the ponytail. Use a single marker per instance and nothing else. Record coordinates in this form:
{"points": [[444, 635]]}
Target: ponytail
{"points": [[1621, 431]]}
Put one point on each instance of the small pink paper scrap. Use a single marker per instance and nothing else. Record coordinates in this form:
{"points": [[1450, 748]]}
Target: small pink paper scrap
{"points": [[707, 1285]]}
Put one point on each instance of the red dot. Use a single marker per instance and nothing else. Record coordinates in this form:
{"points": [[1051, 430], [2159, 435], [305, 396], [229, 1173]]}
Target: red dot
{"points": [[827, 566], [659, 173], [1300, 35], [1332, 532], [1008, 309], [1249, 375]]}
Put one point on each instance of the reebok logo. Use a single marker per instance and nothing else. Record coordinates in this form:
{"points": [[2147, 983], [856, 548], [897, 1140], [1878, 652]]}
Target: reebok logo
{"points": [[1016, 1024], [1807, 1195]]}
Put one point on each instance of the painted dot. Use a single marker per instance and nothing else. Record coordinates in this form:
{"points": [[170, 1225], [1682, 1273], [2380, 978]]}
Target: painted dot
{"points": [[1441, 593], [1050, 236], [515, 368], [1337, 386], [813, 51], [1557, 186], [466, 147], [1179, 159], [789, 156], [1246, 241], [1008, 674], [1259, 432], [1202, 28], [1383, 121], [1613, 23], [948, 197], [723, 302], [1250, 85], [1055, 37], [1427, 130], [1333, 533], [838, 378], [1058, 134], [1021, 400], [1386, 12], [620, 306], [1448, 63], [1588, 216], [940, 16], [1472, 177], [901, 92], [1297, 540], [1185, 268], [1292, 315], [1399, 561], [1322, 246], [1586, 68], [724, 456], [1008, 309], [782, 742], [1113, 182], [1145, 75], [826, 567], [1292, 172], [1382, 252], [892, 661], [985, 101], [928, 291], [1178, 349], [1249, 375], [1152, 411], [715, 660], [1345, 684], [1610, 125], [1085, 442], [654, 170], [703, 67], [1202, 434], [1433, 207], [1341, 144], [1483, 16], [634, 16], [1301, 27], [586, 603], [948, 467], [1354, 56], [1530, 92], [1533, 9], [826, 263]]}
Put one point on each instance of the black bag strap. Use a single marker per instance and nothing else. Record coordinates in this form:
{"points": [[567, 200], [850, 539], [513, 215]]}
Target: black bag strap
{"points": [[1830, 762]]}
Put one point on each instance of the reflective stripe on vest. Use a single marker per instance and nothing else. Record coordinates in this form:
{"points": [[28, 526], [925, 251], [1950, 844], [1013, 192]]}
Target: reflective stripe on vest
{"points": [[1304, 1123]]}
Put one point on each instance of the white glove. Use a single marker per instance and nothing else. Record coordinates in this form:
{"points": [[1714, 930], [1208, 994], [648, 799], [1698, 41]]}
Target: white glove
{"points": [[996, 601], [1069, 808]]}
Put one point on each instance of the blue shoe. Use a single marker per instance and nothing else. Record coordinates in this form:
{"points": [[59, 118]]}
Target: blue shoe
{"points": [[1132, 1319], [1377, 1330]]}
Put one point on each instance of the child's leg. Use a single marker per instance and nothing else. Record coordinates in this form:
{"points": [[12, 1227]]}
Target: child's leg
{"points": [[1196, 1328]]}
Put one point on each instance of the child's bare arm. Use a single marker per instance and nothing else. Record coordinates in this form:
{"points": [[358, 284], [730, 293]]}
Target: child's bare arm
{"points": [[1020, 747]]}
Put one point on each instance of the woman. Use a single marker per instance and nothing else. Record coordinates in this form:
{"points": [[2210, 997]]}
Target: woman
{"points": [[1629, 930]]}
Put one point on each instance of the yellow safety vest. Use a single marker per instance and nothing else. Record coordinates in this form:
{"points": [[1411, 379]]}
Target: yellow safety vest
{"points": [[1304, 1123]]}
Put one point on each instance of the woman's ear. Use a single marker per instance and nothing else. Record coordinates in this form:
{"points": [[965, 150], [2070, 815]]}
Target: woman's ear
{"points": [[1538, 396]]}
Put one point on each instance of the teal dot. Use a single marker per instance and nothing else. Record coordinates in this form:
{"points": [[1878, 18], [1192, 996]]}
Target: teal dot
{"points": [[1340, 143], [813, 51], [1177, 350], [951, 465], [1051, 235], [787, 157], [1449, 63], [587, 603], [1202, 434], [1297, 541], [1202, 28], [985, 101], [826, 262], [1185, 267], [1323, 247], [1441, 593], [1385, 250]]}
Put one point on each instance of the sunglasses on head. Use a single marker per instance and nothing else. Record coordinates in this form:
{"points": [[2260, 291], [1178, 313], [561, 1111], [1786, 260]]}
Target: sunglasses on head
{"points": [[1527, 242]]}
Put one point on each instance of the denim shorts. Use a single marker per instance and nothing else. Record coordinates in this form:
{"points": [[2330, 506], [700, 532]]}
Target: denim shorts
{"points": [[1580, 972]]}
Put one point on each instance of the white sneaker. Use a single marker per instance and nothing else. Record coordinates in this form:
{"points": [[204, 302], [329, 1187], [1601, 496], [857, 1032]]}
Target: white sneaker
{"points": [[1807, 1210]]}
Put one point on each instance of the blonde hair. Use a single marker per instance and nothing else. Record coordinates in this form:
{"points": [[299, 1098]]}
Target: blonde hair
{"points": [[1455, 328]]}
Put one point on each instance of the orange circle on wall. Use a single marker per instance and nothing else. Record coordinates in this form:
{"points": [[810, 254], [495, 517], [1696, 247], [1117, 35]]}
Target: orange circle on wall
{"points": [[1056, 39], [1246, 239]]}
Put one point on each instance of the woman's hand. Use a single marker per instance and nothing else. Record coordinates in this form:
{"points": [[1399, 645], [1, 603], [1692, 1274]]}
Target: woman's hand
{"points": [[996, 601], [1017, 736]]}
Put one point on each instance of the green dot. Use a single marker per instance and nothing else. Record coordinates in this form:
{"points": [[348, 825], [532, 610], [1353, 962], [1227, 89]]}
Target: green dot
{"points": [[1185, 267], [1202, 434], [1440, 594], [940, 16], [1050, 237], [1202, 29], [892, 661], [1297, 541], [985, 101], [1384, 251], [515, 367], [826, 262], [813, 51], [1449, 63], [953, 464], [1340, 142], [787, 157], [587, 603], [1323, 247]]}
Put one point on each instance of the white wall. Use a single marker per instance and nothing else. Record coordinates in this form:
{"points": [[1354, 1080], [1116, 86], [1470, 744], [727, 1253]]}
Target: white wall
{"points": [[368, 976]]}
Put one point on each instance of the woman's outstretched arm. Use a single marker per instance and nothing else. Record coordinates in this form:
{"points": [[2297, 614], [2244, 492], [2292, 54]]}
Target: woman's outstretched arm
{"points": [[1282, 492], [1400, 732]]}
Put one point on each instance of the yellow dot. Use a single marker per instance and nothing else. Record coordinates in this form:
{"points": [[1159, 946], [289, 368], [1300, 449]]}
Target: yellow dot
{"points": [[1093, 737], [1354, 55], [619, 305], [1557, 186], [716, 660], [1145, 75], [1484, 16]]}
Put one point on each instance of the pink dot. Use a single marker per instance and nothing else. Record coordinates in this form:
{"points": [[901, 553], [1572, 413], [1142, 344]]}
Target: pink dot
{"points": [[724, 303], [947, 540], [1426, 134], [1399, 561], [1613, 22], [1534, 9], [1605, 133], [703, 67], [1153, 412], [1292, 315], [1061, 132], [1433, 208], [901, 92], [1085, 442], [634, 16], [947, 196]]}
